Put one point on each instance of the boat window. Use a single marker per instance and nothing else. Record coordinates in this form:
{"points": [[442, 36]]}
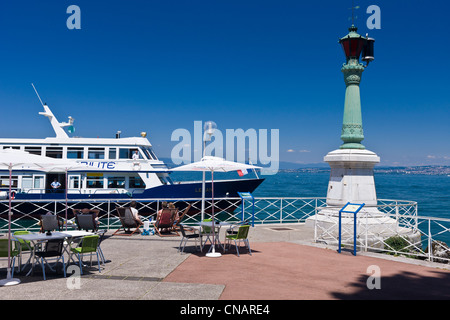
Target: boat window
{"points": [[11, 147], [147, 153], [96, 153], [74, 182], [128, 153], [54, 152], [4, 181], [38, 182], [116, 182], [27, 182], [75, 153], [161, 178], [153, 154], [136, 182], [94, 181], [159, 166], [112, 153], [34, 150], [150, 154], [164, 178], [124, 153]]}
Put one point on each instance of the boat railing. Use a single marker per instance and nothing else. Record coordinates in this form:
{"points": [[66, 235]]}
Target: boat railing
{"points": [[398, 219], [45, 191]]}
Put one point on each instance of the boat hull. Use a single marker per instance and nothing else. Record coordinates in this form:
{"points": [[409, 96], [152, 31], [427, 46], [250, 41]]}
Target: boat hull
{"points": [[35, 205], [184, 190]]}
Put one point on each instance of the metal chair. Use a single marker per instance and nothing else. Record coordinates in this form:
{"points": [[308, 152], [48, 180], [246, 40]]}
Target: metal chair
{"points": [[242, 234], [101, 236], [25, 246], [49, 223], [187, 237], [206, 231], [89, 245], [52, 249], [86, 222], [127, 222], [14, 252], [231, 230]]}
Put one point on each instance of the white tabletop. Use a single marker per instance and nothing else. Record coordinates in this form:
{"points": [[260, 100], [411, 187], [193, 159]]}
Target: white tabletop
{"points": [[78, 233], [220, 224], [54, 235]]}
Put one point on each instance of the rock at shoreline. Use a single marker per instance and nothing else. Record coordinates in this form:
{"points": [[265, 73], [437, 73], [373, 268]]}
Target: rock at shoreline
{"points": [[440, 249]]}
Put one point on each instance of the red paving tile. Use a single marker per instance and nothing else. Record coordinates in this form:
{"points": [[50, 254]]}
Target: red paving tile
{"points": [[288, 271]]}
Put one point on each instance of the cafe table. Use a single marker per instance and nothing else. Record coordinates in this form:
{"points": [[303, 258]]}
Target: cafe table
{"points": [[38, 238], [217, 225]]}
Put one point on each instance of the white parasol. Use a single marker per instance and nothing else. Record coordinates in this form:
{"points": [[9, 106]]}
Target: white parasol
{"points": [[214, 164], [21, 160]]}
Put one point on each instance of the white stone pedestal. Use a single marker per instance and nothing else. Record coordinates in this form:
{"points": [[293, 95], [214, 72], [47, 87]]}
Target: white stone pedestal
{"points": [[351, 180], [351, 177]]}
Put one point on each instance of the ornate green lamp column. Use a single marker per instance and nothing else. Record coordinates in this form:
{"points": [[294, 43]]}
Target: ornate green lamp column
{"points": [[352, 128], [351, 166]]}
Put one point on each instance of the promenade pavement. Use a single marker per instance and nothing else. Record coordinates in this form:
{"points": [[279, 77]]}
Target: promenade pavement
{"points": [[285, 265]]}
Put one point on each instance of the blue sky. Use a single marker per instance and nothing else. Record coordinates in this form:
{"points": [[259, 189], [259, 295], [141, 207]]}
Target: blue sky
{"points": [[156, 66]]}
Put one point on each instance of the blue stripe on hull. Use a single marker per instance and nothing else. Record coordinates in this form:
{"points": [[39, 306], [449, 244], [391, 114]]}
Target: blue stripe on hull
{"points": [[192, 190]]}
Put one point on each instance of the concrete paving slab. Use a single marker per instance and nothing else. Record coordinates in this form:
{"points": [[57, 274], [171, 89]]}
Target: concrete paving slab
{"points": [[184, 291]]}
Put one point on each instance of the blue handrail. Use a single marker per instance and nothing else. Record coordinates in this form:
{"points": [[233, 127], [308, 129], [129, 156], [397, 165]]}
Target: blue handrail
{"points": [[355, 212]]}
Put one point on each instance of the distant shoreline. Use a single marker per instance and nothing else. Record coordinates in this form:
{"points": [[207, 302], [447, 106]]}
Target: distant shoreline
{"points": [[435, 170], [415, 170]]}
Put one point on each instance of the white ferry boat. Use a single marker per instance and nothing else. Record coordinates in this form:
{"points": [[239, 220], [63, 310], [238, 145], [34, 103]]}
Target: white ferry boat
{"points": [[116, 168]]}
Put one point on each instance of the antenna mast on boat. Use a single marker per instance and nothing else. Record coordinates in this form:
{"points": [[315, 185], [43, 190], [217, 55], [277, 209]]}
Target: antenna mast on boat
{"points": [[254, 170], [37, 94], [57, 127]]}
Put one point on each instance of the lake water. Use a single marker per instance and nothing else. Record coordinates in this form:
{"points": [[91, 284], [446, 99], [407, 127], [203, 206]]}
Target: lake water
{"points": [[431, 192]]}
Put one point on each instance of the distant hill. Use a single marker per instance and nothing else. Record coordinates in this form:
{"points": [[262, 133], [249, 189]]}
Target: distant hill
{"points": [[168, 162], [426, 170], [283, 165], [323, 166]]}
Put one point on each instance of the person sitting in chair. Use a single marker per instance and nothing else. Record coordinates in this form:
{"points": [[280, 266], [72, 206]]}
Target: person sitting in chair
{"points": [[175, 214], [158, 215], [94, 212], [135, 212], [40, 224]]}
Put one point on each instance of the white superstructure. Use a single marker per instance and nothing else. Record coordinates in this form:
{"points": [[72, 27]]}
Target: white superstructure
{"points": [[113, 165]]}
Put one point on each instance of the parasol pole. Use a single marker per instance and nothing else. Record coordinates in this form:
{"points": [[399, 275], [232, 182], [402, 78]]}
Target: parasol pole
{"points": [[9, 223], [67, 186], [213, 254], [9, 281]]}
